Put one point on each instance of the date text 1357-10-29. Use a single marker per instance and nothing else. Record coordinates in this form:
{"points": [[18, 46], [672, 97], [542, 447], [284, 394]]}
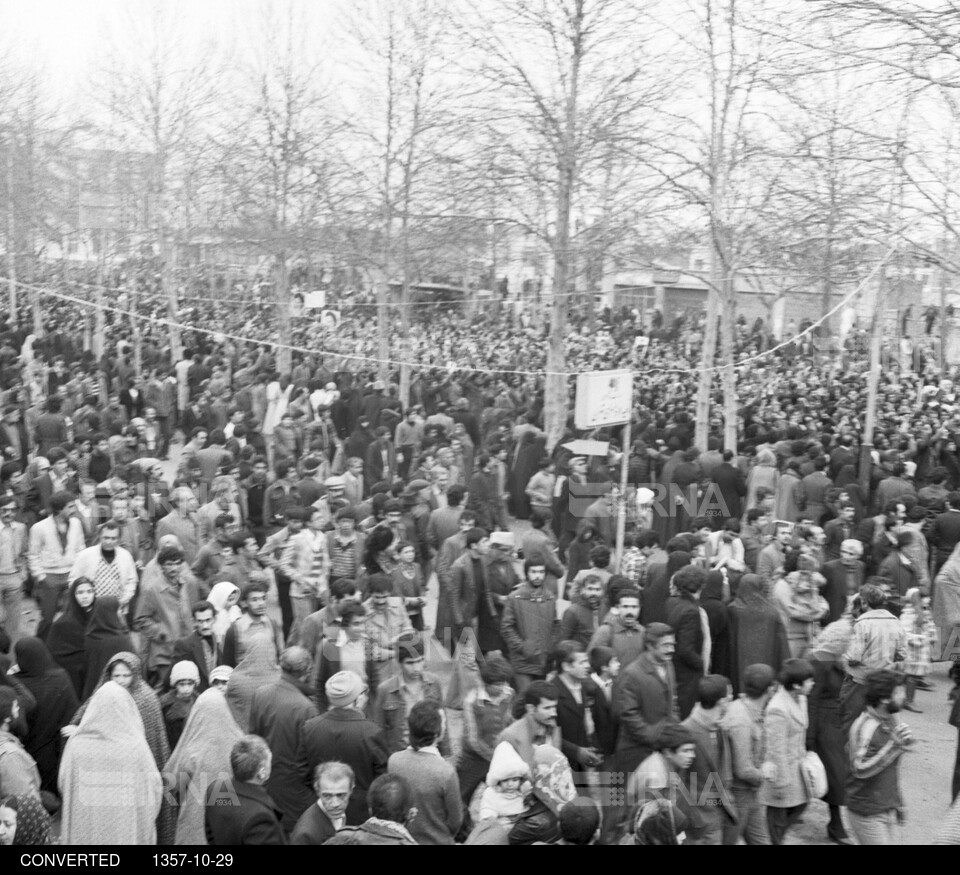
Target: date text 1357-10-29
{"points": [[185, 860]]}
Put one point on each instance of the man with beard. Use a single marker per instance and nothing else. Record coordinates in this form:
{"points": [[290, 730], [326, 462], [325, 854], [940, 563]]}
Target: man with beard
{"points": [[529, 624], [877, 740], [582, 619]]}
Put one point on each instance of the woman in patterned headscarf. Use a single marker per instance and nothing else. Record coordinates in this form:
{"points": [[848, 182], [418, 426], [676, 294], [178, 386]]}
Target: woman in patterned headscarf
{"points": [[109, 781], [23, 821], [201, 757], [125, 668]]}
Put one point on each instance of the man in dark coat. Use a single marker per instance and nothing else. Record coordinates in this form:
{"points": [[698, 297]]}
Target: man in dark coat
{"points": [[483, 495], [346, 735], [687, 626], [468, 585], [390, 800], [240, 812], [277, 714], [945, 531], [380, 462], [576, 695], [201, 646], [732, 487], [14, 443], [644, 698], [333, 784], [713, 764], [469, 421], [51, 428], [844, 577]]}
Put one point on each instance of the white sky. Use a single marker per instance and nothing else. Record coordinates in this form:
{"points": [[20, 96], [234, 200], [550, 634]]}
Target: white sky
{"points": [[63, 37]]}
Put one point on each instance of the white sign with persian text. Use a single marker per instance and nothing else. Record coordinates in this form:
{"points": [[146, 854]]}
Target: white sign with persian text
{"points": [[603, 398]]}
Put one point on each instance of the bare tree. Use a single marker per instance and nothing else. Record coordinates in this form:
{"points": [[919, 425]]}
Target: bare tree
{"points": [[276, 162], [567, 84], [156, 89], [400, 129]]}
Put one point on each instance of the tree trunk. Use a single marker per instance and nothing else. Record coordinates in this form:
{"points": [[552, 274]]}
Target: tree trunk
{"points": [[705, 386], [169, 290], [284, 353], [728, 348]]}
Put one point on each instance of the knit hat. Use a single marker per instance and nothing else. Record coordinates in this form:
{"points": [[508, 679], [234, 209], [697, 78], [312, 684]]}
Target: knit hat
{"points": [[343, 689], [184, 670], [506, 763], [221, 673]]}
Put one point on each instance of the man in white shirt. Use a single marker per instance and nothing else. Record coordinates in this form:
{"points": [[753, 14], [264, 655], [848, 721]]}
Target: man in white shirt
{"points": [[55, 543]]}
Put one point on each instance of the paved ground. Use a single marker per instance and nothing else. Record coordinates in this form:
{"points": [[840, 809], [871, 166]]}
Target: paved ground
{"points": [[926, 770]]}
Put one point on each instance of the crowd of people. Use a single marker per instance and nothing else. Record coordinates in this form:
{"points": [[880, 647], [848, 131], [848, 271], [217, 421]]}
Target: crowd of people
{"points": [[775, 607]]}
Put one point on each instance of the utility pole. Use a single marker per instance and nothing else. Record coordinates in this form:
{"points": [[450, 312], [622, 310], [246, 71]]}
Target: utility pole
{"points": [[11, 240]]}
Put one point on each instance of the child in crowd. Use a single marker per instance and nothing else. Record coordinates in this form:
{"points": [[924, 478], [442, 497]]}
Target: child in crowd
{"points": [[503, 798]]}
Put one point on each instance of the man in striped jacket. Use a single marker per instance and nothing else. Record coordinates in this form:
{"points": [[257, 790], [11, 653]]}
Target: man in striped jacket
{"points": [[877, 740]]}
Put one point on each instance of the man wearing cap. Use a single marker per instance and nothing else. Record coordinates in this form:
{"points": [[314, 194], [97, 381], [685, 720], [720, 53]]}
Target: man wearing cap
{"points": [[381, 458], [177, 703], [278, 713], [13, 565], [343, 733]]}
